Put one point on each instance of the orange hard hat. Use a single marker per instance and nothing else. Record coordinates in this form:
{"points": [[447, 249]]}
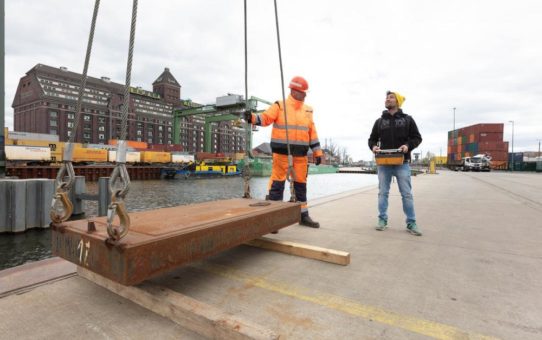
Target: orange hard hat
{"points": [[299, 83]]}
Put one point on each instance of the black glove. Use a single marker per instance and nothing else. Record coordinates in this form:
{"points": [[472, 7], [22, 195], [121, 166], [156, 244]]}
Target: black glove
{"points": [[318, 160], [248, 116]]}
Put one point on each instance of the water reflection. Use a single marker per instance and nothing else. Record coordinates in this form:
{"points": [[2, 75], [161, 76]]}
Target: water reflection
{"points": [[16, 249]]}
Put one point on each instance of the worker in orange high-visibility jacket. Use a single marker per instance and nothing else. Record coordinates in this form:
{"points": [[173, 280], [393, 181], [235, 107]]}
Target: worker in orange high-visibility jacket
{"points": [[301, 136]]}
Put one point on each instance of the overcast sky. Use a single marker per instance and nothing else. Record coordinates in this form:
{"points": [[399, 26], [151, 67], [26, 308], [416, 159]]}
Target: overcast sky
{"points": [[482, 57]]}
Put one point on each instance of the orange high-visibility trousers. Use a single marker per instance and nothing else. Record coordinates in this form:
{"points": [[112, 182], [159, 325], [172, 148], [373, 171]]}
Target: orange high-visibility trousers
{"points": [[278, 179]]}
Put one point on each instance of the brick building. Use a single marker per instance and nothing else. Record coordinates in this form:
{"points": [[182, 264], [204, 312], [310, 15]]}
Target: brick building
{"points": [[46, 97]]}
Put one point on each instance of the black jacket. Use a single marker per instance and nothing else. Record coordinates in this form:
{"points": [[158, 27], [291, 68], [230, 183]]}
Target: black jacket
{"points": [[392, 131]]}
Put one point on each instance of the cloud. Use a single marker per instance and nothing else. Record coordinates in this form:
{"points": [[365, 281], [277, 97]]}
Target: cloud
{"points": [[481, 57]]}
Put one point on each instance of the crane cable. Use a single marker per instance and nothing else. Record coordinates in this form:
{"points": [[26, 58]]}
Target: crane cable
{"points": [[63, 187], [120, 174], [248, 125], [291, 171]]}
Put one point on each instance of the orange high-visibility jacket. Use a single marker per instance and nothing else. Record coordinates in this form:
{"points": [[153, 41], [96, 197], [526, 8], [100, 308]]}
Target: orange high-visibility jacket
{"points": [[301, 130]]}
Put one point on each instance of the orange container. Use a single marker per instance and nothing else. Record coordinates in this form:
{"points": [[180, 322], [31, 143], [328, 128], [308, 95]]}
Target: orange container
{"points": [[155, 157], [89, 155], [131, 144]]}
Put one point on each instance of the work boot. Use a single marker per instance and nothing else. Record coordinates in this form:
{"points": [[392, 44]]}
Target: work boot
{"points": [[382, 225], [413, 229], [308, 222]]}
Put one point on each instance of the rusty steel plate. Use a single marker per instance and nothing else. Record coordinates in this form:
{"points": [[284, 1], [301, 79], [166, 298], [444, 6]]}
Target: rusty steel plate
{"points": [[163, 239]]}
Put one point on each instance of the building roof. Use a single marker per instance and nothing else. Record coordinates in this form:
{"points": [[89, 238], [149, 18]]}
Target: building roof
{"points": [[264, 148], [73, 76], [167, 77]]}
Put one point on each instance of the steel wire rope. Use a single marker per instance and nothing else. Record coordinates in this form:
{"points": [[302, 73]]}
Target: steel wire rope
{"points": [[62, 188], [120, 173], [248, 125], [291, 171]]}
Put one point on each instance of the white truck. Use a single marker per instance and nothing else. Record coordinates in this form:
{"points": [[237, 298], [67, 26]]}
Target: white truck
{"points": [[477, 163]]}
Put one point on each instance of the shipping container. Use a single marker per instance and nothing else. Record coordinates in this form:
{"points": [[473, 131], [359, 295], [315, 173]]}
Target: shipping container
{"points": [[18, 135], [497, 155], [493, 146], [131, 144], [181, 158], [27, 153], [496, 127], [89, 155], [131, 156], [490, 137], [100, 146], [208, 155], [165, 147], [155, 157]]}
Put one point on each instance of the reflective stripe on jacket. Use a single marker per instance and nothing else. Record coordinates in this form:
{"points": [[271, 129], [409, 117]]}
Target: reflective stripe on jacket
{"points": [[302, 133]]}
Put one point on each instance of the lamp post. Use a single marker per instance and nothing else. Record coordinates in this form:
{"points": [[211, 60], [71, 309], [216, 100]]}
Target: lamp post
{"points": [[539, 155], [454, 122], [513, 156]]}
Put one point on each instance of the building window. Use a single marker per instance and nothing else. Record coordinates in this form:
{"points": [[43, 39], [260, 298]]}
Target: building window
{"points": [[53, 114], [149, 133], [52, 122], [101, 128], [70, 124], [139, 139], [71, 115], [149, 140], [101, 136], [52, 132], [160, 127], [139, 132], [86, 135], [101, 119], [87, 117], [87, 126]]}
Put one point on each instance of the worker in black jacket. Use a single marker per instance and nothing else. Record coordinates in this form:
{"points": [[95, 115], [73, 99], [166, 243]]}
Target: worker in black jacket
{"points": [[395, 130]]}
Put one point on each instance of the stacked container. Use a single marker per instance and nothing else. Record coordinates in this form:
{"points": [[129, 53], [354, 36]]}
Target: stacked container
{"points": [[478, 139]]}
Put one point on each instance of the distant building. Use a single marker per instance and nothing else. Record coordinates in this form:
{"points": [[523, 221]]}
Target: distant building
{"points": [[46, 97], [263, 149]]}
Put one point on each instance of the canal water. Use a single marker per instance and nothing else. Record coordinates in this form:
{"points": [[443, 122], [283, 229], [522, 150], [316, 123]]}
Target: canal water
{"points": [[33, 245]]}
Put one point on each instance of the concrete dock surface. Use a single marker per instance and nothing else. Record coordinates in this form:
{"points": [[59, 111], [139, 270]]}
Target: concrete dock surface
{"points": [[475, 273]]}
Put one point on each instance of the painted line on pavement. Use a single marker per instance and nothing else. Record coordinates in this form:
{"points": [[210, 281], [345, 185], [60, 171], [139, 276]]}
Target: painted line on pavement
{"points": [[425, 327]]}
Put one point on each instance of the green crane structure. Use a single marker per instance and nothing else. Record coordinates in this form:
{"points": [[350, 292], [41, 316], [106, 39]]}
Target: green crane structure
{"points": [[213, 114]]}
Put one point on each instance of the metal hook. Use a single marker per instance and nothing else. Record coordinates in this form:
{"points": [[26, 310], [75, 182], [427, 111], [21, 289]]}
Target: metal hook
{"points": [[67, 207], [119, 208]]}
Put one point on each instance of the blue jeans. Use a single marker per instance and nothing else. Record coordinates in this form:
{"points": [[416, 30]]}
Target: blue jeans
{"points": [[402, 173]]}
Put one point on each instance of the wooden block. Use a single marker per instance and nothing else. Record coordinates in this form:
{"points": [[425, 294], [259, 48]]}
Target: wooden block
{"points": [[303, 250], [183, 310]]}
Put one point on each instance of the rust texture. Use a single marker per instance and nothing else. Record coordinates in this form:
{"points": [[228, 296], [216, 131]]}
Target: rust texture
{"points": [[164, 239]]}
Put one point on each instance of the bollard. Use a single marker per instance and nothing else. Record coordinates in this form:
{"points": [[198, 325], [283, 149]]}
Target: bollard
{"points": [[12, 216], [47, 189], [77, 189], [104, 197], [32, 197], [4, 206]]}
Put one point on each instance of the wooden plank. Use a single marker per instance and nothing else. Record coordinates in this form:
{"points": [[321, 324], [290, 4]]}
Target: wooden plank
{"points": [[303, 250], [183, 310]]}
